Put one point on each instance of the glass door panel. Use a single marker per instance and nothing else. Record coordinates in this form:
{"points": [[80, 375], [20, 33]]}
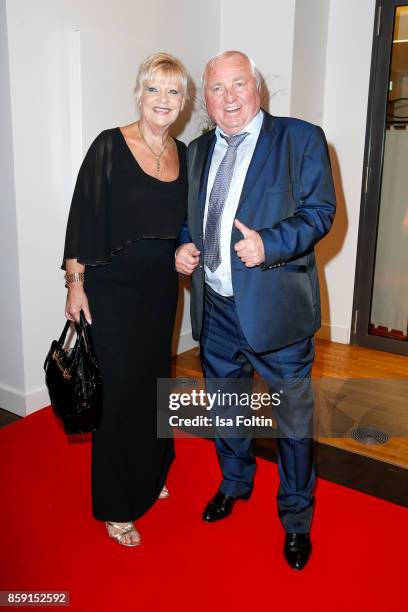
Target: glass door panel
{"points": [[389, 304]]}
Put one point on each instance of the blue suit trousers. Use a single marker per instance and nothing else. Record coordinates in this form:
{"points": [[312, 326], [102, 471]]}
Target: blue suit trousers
{"points": [[225, 353]]}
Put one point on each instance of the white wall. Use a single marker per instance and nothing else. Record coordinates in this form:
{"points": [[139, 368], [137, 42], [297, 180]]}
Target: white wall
{"points": [[264, 30], [349, 44], [309, 60], [40, 60], [11, 353]]}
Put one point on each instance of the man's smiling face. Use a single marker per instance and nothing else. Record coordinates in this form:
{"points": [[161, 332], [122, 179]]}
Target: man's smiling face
{"points": [[231, 93]]}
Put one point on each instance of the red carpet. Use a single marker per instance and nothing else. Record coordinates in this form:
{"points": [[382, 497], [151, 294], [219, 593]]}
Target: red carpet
{"points": [[49, 540]]}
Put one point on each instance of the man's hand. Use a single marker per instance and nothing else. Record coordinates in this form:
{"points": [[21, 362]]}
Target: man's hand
{"points": [[250, 250], [187, 257]]}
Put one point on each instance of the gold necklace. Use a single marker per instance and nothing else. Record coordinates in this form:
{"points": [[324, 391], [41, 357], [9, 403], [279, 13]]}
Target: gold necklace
{"points": [[157, 157]]}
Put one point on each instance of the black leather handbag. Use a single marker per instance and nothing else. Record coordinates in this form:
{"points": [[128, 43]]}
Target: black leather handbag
{"points": [[74, 381]]}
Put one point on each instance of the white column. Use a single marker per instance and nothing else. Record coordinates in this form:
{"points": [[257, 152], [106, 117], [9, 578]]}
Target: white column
{"points": [[349, 46], [309, 60], [11, 353], [264, 30]]}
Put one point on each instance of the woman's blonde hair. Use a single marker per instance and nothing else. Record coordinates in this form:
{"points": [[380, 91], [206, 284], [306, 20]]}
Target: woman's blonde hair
{"points": [[165, 63]]}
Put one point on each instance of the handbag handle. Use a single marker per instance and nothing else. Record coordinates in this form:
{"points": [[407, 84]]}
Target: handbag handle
{"points": [[79, 329], [83, 329], [61, 341], [64, 333]]}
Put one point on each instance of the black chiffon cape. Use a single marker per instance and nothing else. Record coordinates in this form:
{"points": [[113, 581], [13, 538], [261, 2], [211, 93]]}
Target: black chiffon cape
{"points": [[94, 230]]}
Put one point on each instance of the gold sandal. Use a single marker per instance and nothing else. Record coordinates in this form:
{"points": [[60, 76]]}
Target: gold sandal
{"points": [[123, 530], [164, 493]]}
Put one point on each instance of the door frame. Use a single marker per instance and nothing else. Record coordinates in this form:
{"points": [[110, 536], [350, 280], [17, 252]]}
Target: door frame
{"points": [[372, 180]]}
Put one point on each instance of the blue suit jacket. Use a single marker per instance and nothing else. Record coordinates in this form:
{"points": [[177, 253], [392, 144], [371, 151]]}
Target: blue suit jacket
{"points": [[288, 197]]}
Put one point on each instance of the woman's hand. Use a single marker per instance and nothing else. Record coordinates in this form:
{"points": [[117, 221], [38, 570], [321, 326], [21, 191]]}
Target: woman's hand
{"points": [[77, 301]]}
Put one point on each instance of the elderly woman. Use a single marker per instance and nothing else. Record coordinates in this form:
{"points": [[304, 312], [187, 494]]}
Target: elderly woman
{"points": [[128, 206]]}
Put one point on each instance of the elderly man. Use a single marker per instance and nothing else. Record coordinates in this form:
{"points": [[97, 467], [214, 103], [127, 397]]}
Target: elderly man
{"points": [[260, 197]]}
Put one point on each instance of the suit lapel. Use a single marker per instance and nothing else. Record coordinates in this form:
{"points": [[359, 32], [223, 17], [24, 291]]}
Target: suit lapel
{"points": [[204, 162], [263, 148]]}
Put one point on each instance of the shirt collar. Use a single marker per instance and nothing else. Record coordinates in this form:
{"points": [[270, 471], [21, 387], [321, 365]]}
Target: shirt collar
{"points": [[253, 127]]}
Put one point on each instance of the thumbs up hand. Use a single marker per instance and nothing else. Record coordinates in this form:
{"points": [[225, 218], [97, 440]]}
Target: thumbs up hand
{"points": [[250, 250]]}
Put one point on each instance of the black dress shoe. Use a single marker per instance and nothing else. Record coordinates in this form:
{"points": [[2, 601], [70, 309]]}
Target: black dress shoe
{"points": [[297, 549], [220, 506]]}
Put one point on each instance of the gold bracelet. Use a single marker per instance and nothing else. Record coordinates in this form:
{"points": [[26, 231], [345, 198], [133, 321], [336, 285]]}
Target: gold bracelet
{"points": [[75, 277]]}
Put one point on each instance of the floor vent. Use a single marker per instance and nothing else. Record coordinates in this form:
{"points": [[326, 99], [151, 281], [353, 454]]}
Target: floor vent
{"points": [[369, 436], [185, 381]]}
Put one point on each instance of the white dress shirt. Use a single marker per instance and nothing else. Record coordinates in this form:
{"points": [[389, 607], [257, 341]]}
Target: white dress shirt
{"points": [[220, 280]]}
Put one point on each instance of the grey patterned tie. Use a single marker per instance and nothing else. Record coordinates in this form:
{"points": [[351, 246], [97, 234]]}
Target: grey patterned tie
{"points": [[216, 202]]}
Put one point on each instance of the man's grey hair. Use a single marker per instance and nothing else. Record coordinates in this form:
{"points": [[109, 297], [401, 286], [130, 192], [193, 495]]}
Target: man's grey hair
{"points": [[225, 54]]}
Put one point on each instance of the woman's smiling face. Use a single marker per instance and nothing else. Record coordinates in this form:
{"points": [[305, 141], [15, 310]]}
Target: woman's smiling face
{"points": [[161, 100]]}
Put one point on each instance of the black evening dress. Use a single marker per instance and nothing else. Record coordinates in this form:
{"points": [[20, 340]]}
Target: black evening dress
{"points": [[123, 226]]}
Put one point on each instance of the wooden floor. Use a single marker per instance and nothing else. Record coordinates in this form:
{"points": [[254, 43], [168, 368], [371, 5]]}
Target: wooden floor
{"points": [[360, 388], [7, 417]]}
